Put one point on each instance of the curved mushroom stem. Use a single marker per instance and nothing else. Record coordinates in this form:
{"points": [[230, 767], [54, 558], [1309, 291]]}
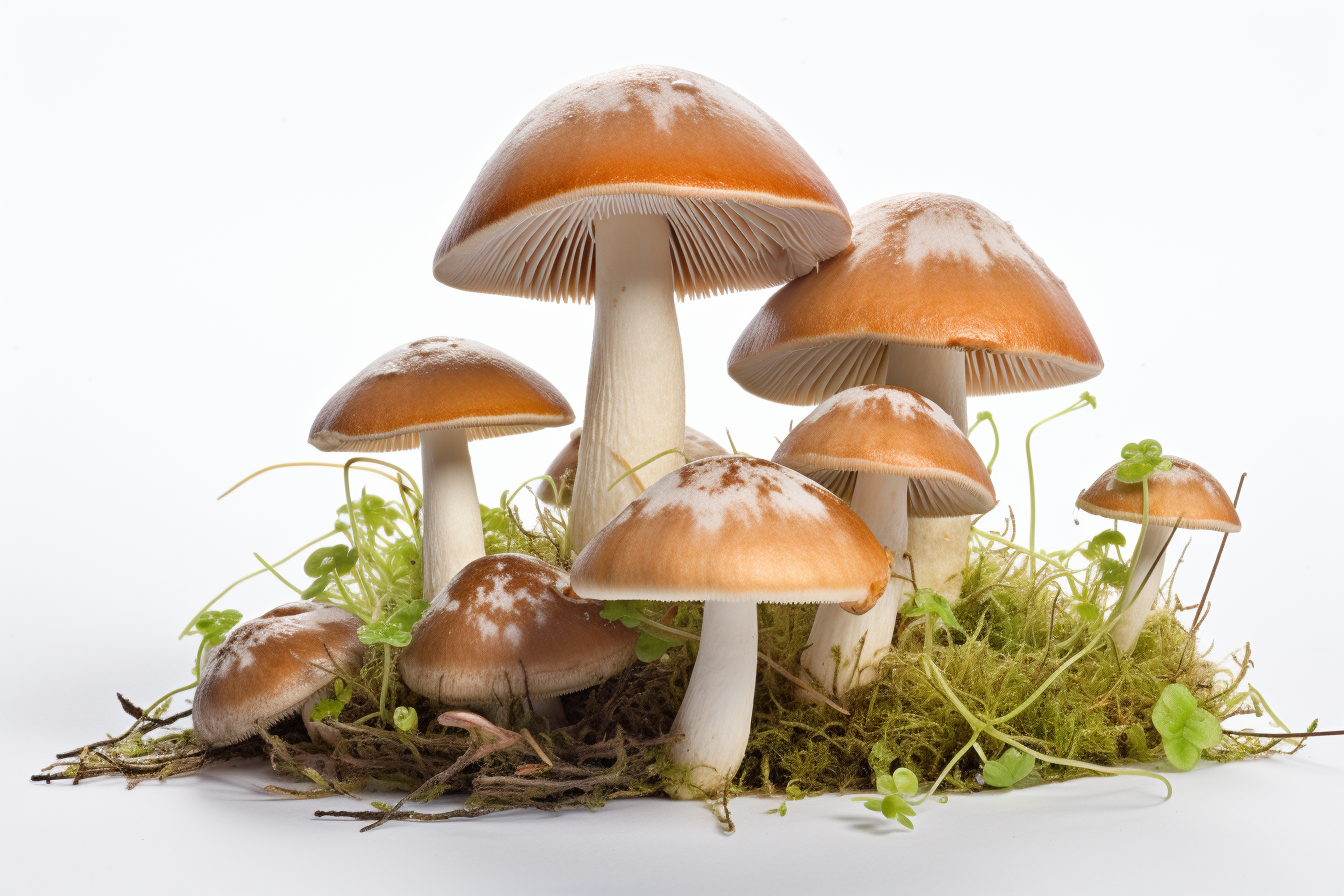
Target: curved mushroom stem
{"points": [[880, 501], [1135, 612], [937, 545], [636, 400], [451, 525], [715, 715]]}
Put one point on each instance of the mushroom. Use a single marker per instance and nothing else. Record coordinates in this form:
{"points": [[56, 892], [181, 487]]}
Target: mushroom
{"points": [[886, 447], [631, 189], [698, 446], [271, 667], [1187, 497], [936, 294], [501, 630], [731, 531], [439, 394]]}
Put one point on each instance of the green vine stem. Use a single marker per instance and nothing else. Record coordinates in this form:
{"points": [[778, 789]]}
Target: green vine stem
{"points": [[1084, 400], [987, 417]]}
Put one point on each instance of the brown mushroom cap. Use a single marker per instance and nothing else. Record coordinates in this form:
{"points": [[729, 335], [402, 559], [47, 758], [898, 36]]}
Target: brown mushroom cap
{"points": [[924, 269], [748, 208], [885, 429], [267, 667], [698, 446], [734, 528], [437, 383], [1187, 492], [501, 629]]}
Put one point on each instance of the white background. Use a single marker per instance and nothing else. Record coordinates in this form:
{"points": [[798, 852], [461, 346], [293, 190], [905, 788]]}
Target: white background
{"points": [[209, 221]]}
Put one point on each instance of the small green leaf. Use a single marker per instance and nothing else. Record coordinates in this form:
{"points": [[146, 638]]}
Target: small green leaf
{"points": [[335, 558], [1008, 769], [383, 632], [409, 615], [650, 649], [1096, 548], [214, 625], [1140, 459], [1187, 728], [886, 784], [927, 602], [906, 782], [875, 805], [405, 718], [1089, 398], [318, 587], [880, 758], [1113, 572], [793, 792], [1087, 612], [331, 707]]}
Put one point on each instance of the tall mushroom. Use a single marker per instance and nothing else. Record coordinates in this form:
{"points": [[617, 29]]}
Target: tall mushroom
{"points": [[1186, 496], [886, 447], [698, 446], [271, 667], [501, 631], [731, 531], [631, 189], [938, 295], [438, 394]]}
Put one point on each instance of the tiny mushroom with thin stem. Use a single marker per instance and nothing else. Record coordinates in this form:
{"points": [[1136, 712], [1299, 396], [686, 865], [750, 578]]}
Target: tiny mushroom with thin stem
{"points": [[698, 447], [438, 394], [501, 632], [631, 189], [731, 531], [936, 294], [887, 448], [1186, 496], [271, 667]]}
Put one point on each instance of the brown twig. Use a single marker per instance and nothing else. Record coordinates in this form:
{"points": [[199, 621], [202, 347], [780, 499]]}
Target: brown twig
{"points": [[1199, 609]]}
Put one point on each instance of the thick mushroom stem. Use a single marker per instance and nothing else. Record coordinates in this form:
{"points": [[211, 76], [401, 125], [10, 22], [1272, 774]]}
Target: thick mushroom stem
{"points": [[880, 501], [714, 720], [636, 400], [1136, 606], [937, 545], [451, 525]]}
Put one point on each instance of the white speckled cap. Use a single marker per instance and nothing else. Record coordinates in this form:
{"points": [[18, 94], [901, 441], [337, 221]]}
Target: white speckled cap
{"points": [[501, 630], [1187, 492], [697, 447]]}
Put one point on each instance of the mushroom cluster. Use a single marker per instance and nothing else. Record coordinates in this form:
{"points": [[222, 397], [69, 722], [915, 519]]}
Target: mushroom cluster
{"points": [[632, 189]]}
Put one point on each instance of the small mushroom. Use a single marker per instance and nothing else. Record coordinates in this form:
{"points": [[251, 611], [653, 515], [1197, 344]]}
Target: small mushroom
{"points": [[631, 189], [937, 294], [438, 394], [731, 531], [271, 667], [1186, 496], [698, 446], [501, 630], [887, 447]]}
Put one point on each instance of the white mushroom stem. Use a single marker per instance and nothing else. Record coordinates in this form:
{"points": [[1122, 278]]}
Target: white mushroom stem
{"points": [[451, 518], [714, 720], [1136, 606], [550, 709], [937, 545], [636, 400], [880, 501]]}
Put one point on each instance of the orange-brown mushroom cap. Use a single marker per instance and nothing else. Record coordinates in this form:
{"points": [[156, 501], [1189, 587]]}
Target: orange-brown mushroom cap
{"points": [[748, 208], [697, 447], [1187, 492], [734, 528], [267, 667], [442, 382], [925, 269], [501, 630], [885, 429]]}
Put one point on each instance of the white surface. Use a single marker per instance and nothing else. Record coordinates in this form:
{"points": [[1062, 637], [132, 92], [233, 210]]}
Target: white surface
{"points": [[210, 220]]}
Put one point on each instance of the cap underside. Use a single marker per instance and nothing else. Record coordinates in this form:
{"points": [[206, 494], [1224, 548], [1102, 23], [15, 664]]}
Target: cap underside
{"points": [[814, 596], [401, 440], [1185, 523], [930, 492], [720, 243]]}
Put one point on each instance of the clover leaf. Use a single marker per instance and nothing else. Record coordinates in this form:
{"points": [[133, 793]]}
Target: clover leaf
{"points": [[650, 645], [214, 625], [375, 512], [1113, 572], [1139, 460], [927, 602], [332, 706], [335, 559], [1096, 548], [1008, 769], [395, 630], [1187, 728], [893, 789]]}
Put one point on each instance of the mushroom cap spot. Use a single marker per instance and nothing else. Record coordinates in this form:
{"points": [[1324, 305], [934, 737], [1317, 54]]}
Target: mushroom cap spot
{"points": [[1187, 492], [748, 207], [733, 528], [885, 429], [925, 269], [697, 447], [442, 382], [501, 629], [267, 667]]}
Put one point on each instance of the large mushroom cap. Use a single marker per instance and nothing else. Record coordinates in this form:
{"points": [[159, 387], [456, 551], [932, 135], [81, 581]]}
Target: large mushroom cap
{"points": [[885, 429], [437, 383], [748, 208], [501, 629], [697, 447], [925, 269], [267, 667], [734, 528], [1187, 492]]}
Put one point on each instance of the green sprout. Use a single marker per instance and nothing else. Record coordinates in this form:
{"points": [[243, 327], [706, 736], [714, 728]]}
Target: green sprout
{"points": [[1140, 460], [892, 790], [331, 707], [1008, 769], [1187, 728], [931, 606], [987, 417], [405, 718]]}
